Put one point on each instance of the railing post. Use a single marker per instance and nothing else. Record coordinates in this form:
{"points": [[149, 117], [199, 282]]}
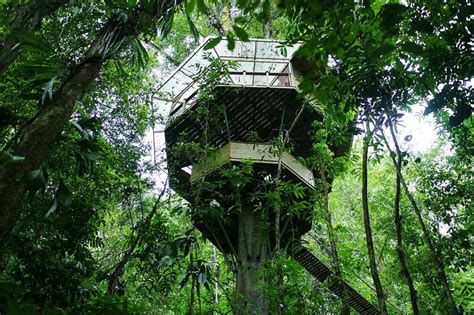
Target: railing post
{"points": [[290, 75]]}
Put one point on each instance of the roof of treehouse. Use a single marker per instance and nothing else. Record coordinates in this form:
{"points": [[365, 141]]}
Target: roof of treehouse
{"points": [[258, 62]]}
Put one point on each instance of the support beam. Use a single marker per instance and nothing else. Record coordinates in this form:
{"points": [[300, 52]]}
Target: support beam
{"points": [[253, 248]]}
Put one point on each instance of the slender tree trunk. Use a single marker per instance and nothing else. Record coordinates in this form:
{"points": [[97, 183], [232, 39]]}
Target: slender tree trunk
{"points": [[368, 229], [40, 134], [119, 269], [398, 225], [193, 282], [27, 20], [268, 28], [345, 310], [451, 304]]}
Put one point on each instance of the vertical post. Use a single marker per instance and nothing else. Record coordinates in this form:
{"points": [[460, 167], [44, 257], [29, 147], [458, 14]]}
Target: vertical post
{"points": [[290, 75]]}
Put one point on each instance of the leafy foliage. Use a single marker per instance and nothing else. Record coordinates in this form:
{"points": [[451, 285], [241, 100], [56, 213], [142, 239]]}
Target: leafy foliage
{"points": [[83, 227]]}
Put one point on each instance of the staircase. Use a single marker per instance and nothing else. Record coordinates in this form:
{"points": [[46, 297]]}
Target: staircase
{"points": [[321, 272]]}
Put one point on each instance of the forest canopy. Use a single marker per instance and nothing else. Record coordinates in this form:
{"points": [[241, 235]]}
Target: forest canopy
{"points": [[111, 198]]}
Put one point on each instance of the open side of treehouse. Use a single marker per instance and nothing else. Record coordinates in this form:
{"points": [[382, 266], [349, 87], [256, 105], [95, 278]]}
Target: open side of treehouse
{"points": [[223, 154]]}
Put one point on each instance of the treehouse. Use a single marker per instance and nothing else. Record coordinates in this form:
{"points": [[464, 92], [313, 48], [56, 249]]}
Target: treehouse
{"points": [[237, 128]]}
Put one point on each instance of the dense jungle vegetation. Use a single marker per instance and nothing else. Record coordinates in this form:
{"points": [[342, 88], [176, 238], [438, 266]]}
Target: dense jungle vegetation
{"points": [[88, 223]]}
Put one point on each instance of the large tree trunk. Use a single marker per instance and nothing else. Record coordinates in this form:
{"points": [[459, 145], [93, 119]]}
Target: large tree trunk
{"points": [[37, 139], [39, 135], [27, 20], [252, 250], [368, 230]]}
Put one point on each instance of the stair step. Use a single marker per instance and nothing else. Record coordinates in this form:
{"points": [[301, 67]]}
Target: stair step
{"points": [[320, 271]]}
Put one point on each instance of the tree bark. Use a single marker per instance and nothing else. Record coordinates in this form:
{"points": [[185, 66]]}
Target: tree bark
{"points": [[451, 304], [27, 20], [40, 134], [368, 229], [252, 250]]}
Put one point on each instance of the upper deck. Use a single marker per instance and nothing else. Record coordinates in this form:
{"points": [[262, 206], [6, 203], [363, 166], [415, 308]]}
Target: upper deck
{"points": [[257, 63]]}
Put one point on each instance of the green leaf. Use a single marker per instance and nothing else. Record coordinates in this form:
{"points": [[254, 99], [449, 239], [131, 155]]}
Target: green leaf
{"points": [[93, 156], [166, 23], [413, 49], [241, 33], [189, 7], [212, 43], [48, 91], [84, 133], [322, 95], [142, 54], [52, 209], [242, 3], [381, 51], [391, 14], [240, 19], [202, 278], [201, 6], [63, 195], [7, 158], [193, 28], [230, 42], [30, 176], [331, 43]]}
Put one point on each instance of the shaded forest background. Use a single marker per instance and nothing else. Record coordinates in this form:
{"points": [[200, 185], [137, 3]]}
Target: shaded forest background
{"points": [[87, 225]]}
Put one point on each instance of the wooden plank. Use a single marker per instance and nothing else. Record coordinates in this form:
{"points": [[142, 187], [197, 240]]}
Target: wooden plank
{"points": [[262, 153], [213, 162], [258, 153]]}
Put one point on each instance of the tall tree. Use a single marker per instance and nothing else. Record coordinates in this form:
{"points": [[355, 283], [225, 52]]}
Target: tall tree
{"points": [[442, 277], [39, 135], [365, 206], [399, 230]]}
